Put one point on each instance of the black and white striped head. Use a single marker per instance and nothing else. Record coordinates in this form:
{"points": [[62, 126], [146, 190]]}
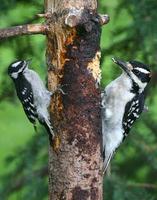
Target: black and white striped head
{"points": [[138, 72], [16, 68]]}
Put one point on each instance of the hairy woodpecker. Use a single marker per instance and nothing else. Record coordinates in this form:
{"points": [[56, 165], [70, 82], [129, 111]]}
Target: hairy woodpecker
{"points": [[35, 98], [122, 104]]}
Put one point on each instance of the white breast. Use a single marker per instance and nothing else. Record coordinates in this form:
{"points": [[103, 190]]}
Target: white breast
{"points": [[117, 96]]}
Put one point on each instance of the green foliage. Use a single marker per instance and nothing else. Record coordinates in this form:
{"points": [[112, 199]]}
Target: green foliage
{"points": [[23, 153], [117, 188], [131, 34], [28, 177]]}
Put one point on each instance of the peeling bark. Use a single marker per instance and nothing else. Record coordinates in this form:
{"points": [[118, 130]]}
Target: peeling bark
{"points": [[73, 58]]}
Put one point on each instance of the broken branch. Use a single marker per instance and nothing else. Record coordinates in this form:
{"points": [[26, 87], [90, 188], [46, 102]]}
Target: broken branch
{"points": [[80, 16], [103, 19], [28, 29], [44, 15]]}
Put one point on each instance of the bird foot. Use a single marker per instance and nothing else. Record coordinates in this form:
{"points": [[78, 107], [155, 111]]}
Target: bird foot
{"points": [[60, 89]]}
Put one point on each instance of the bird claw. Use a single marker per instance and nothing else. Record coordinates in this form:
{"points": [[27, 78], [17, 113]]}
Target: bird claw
{"points": [[59, 88], [102, 106]]}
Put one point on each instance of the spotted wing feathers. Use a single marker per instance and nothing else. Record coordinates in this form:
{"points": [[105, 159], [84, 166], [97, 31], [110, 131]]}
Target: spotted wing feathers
{"points": [[28, 106], [133, 110], [25, 94]]}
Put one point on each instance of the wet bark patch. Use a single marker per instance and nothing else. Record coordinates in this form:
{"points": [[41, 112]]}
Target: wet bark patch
{"points": [[79, 194]]}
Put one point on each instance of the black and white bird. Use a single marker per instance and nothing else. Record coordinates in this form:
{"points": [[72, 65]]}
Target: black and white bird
{"points": [[122, 103], [35, 98]]}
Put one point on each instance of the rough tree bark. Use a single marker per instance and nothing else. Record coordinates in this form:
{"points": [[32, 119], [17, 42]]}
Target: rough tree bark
{"points": [[73, 57], [73, 33]]}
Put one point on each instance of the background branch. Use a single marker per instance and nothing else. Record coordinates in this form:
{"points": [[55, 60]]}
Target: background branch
{"points": [[27, 29], [143, 185]]}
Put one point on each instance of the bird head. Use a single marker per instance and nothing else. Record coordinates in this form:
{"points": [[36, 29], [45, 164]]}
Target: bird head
{"points": [[17, 67], [138, 72]]}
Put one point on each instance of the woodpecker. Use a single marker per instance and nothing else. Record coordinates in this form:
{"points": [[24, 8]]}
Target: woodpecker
{"points": [[33, 95], [122, 103]]}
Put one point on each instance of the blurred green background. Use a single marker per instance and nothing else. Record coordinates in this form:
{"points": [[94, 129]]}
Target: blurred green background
{"points": [[131, 34]]}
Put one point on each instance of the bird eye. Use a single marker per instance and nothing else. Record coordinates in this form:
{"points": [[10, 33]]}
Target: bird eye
{"points": [[136, 72]]}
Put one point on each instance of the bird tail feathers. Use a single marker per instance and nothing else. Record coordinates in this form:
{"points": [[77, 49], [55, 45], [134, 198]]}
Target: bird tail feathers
{"points": [[106, 162], [49, 129]]}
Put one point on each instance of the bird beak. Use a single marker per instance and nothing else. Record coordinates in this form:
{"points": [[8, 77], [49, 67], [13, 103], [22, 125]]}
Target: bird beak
{"points": [[29, 61], [125, 66], [26, 64]]}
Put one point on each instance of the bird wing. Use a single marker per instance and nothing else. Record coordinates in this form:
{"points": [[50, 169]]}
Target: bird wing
{"points": [[25, 94], [133, 109]]}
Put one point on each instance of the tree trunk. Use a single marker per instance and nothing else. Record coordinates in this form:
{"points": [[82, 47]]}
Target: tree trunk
{"points": [[73, 54], [72, 29]]}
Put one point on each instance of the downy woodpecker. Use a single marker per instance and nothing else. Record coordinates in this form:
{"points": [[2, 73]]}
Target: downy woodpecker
{"points": [[122, 104], [35, 98]]}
